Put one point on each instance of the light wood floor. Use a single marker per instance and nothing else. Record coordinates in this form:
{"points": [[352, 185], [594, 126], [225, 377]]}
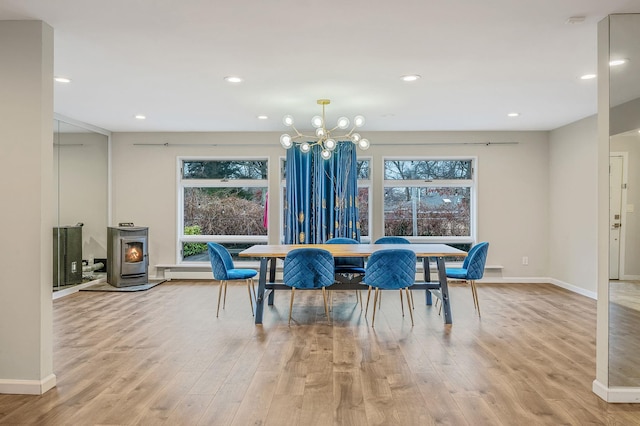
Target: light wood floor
{"points": [[161, 357]]}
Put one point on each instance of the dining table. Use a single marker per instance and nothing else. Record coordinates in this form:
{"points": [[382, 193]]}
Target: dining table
{"points": [[269, 253]]}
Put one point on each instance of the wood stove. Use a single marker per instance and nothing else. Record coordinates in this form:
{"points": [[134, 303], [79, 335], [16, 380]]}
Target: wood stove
{"points": [[127, 256]]}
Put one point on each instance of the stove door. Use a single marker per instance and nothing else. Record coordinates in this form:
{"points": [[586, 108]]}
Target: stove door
{"points": [[133, 256]]}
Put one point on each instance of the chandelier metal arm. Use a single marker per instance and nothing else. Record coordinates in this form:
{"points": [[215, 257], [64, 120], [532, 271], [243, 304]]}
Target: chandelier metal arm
{"points": [[323, 136]]}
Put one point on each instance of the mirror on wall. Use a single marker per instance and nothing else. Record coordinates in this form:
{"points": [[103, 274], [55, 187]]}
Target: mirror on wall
{"points": [[624, 200], [80, 202]]}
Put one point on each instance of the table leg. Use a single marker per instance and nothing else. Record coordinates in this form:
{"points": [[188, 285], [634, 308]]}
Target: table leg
{"points": [[444, 290], [272, 279], [427, 279], [262, 280]]}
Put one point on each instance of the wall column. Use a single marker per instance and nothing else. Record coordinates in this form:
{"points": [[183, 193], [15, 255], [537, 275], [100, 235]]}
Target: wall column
{"points": [[26, 164]]}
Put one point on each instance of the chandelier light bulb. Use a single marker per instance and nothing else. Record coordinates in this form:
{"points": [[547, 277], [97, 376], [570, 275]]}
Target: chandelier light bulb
{"points": [[355, 138], [330, 144], [316, 121], [358, 121], [286, 141], [305, 147], [364, 144], [319, 132], [343, 123], [287, 120], [325, 154]]}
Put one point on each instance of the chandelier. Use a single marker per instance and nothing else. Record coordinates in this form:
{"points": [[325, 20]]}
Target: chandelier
{"points": [[324, 137]]}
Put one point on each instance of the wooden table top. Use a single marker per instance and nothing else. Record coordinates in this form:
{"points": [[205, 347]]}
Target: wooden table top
{"points": [[353, 250]]}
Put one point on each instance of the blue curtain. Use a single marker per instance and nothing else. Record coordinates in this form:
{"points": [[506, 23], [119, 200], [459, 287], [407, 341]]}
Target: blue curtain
{"points": [[322, 195]]}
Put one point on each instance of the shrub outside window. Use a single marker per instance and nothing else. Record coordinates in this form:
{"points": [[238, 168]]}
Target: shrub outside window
{"points": [[221, 200]]}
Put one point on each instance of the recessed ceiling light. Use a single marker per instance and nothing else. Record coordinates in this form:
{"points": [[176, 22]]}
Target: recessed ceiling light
{"points": [[513, 114], [578, 19], [234, 79], [588, 76], [616, 62], [410, 77], [140, 117], [62, 79], [262, 117]]}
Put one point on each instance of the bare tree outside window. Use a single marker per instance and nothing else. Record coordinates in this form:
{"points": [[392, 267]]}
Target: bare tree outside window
{"points": [[434, 200]]}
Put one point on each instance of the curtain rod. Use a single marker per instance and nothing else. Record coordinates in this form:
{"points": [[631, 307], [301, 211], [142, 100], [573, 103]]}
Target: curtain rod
{"points": [[167, 144]]}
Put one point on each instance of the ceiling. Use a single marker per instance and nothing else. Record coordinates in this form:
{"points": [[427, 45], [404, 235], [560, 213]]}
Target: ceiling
{"points": [[167, 59]]}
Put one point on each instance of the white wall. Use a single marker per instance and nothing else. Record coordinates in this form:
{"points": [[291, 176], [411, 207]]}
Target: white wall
{"points": [[573, 204], [512, 199], [26, 150]]}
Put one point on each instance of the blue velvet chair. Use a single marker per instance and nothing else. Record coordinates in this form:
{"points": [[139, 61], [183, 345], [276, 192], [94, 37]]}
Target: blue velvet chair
{"points": [[391, 269], [347, 265], [388, 240], [349, 270], [308, 268], [472, 269], [392, 240], [224, 271]]}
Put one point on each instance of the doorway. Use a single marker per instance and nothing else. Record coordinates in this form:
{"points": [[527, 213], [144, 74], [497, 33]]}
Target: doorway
{"points": [[617, 185]]}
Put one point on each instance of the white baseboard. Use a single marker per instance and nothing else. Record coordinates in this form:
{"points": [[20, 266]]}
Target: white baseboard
{"points": [[573, 288], [622, 395], [630, 277], [27, 387]]}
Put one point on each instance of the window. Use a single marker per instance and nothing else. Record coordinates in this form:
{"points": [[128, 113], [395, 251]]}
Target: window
{"points": [[430, 199], [364, 196], [221, 200]]}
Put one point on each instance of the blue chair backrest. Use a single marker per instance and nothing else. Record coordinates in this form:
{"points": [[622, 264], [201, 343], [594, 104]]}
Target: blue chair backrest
{"points": [[469, 253], [308, 268], [221, 261], [392, 240], [391, 269], [346, 261], [477, 258]]}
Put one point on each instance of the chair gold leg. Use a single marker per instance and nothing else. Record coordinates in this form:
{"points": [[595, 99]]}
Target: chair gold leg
{"points": [[380, 301], [224, 300], [359, 296], [324, 298], [250, 297], [475, 296], [219, 297], [291, 303], [253, 287], [401, 303], [408, 303], [368, 295], [375, 299], [413, 305]]}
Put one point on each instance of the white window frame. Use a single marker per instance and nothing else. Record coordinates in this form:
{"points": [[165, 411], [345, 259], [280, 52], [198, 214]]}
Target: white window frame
{"points": [[449, 183], [367, 183], [213, 183]]}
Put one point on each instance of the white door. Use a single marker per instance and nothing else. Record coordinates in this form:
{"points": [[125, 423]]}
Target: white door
{"points": [[615, 214]]}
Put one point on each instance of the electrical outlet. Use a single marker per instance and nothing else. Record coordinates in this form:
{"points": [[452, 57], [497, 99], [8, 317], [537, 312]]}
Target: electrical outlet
{"points": [[525, 260]]}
